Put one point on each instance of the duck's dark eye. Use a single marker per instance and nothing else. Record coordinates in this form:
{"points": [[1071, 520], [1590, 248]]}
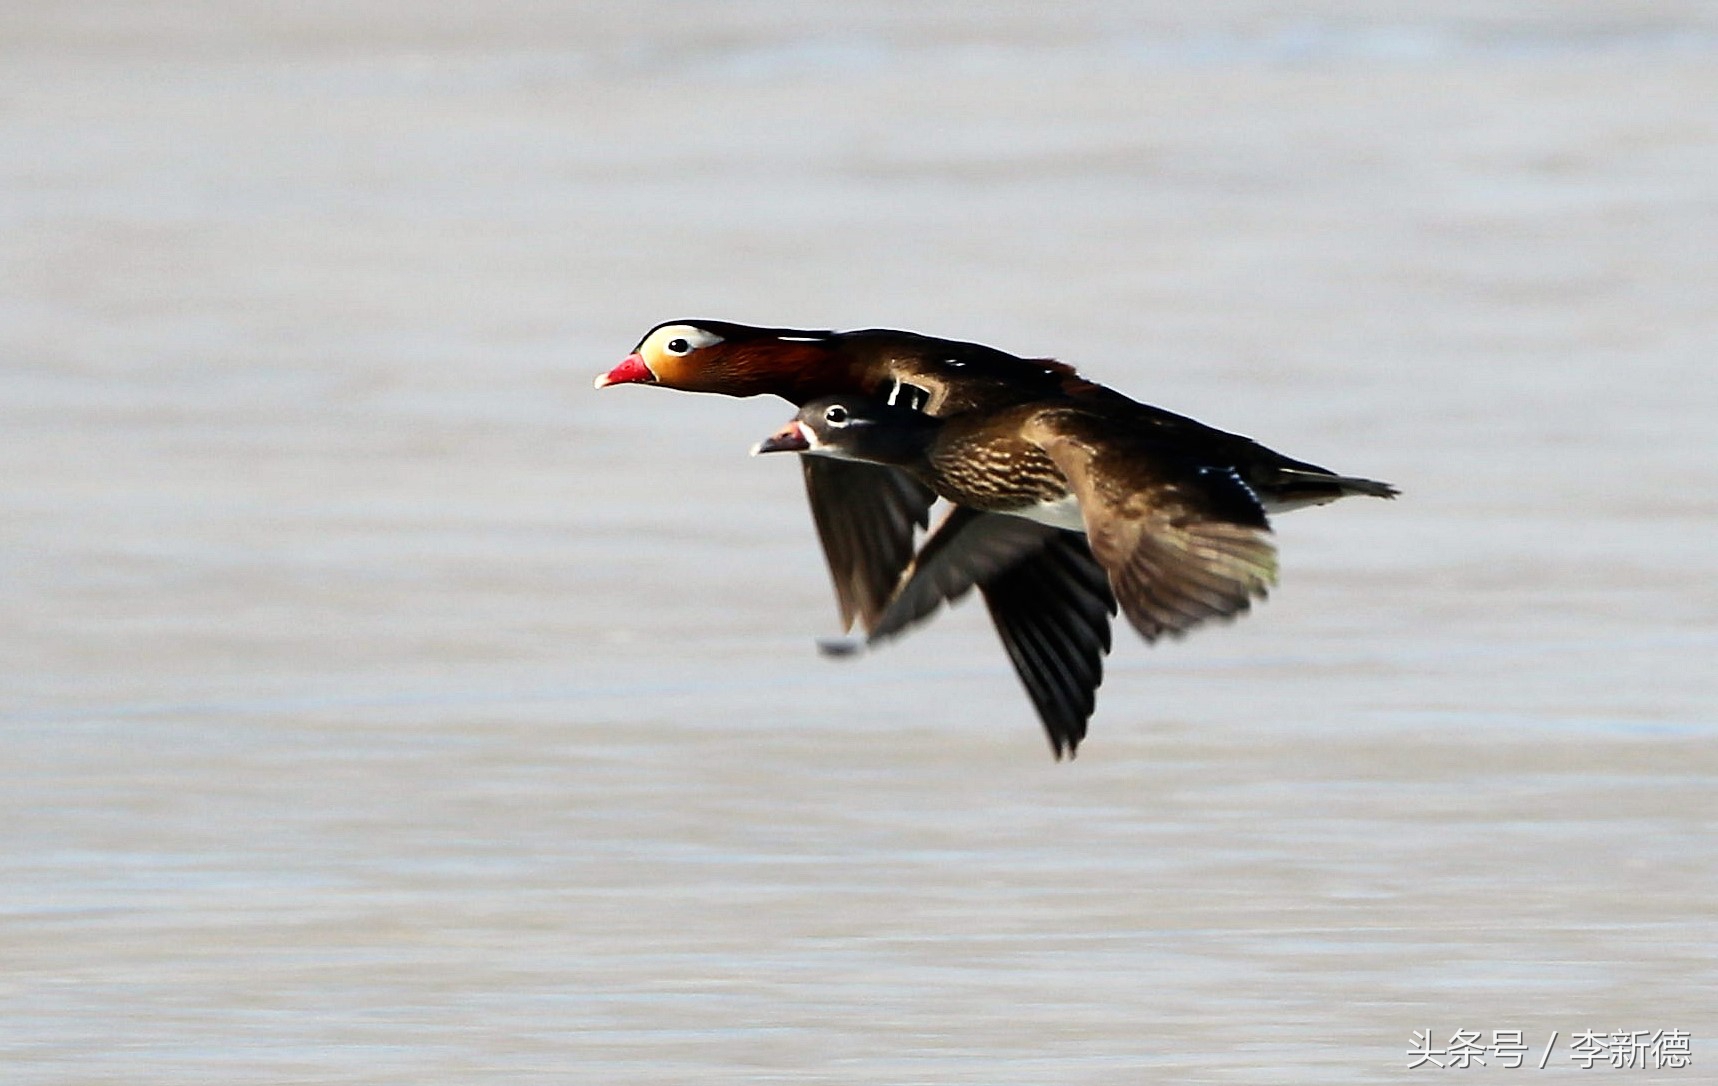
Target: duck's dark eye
{"points": [[678, 346], [836, 416]]}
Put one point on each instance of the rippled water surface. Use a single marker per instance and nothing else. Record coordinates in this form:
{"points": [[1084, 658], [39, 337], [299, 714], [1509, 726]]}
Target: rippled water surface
{"points": [[382, 704]]}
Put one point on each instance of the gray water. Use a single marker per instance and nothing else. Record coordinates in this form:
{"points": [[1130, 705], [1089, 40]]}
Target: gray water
{"points": [[381, 704]]}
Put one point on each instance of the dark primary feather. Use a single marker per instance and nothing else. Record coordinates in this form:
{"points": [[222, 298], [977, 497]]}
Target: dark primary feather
{"points": [[1047, 596], [1048, 599], [866, 518], [968, 548], [1053, 615]]}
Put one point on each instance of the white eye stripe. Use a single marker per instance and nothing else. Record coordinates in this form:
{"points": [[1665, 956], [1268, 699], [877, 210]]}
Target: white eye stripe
{"points": [[681, 339]]}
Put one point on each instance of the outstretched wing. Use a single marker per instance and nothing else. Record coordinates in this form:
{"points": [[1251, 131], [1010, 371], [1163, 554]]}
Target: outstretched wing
{"points": [[866, 518], [1172, 573], [967, 548], [1183, 542], [1048, 598], [1052, 612]]}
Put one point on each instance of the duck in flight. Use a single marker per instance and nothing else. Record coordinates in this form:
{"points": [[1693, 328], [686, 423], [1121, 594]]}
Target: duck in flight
{"points": [[867, 517], [1049, 597], [1180, 533], [1182, 536]]}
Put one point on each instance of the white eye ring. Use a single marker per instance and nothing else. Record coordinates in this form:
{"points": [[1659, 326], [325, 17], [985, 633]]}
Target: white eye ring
{"points": [[835, 415]]}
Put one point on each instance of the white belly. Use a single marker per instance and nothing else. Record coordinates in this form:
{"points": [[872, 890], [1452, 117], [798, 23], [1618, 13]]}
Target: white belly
{"points": [[1062, 513]]}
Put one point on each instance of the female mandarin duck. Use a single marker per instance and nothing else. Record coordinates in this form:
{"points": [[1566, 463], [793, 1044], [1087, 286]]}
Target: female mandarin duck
{"points": [[1181, 534], [1050, 600]]}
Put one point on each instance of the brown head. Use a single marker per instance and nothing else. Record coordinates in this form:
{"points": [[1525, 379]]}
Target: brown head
{"points": [[731, 359]]}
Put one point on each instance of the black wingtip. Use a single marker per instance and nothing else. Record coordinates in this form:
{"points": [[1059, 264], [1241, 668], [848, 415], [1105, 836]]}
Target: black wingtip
{"points": [[1052, 614], [839, 648]]}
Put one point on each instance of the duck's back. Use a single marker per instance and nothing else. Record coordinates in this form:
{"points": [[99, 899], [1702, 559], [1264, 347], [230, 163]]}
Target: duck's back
{"points": [[944, 377], [1112, 456]]}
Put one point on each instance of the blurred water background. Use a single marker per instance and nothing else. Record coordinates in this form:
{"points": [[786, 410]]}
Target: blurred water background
{"points": [[381, 704]]}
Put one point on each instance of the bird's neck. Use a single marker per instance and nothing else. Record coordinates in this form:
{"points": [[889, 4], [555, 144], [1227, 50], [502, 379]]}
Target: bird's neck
{"points": [[797, 372]]}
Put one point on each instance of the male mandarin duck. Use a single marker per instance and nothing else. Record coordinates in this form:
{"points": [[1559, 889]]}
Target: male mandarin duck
{"points": [[1048, 597]]}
